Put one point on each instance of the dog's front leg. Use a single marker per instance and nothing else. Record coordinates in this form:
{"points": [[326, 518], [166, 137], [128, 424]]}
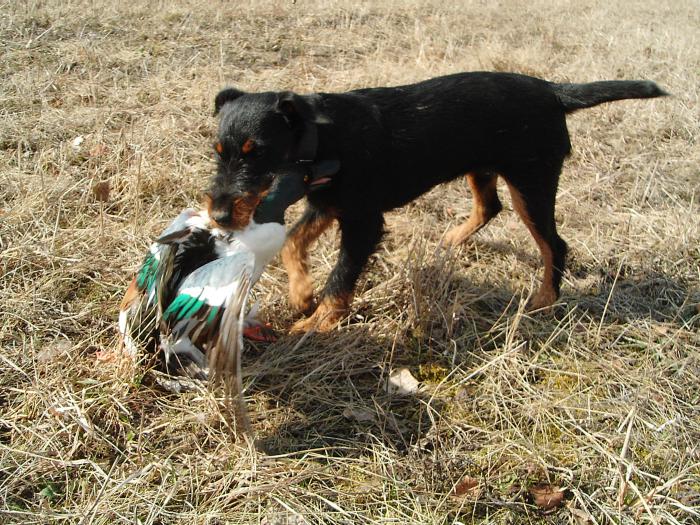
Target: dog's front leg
{"points": [[360, 235], [295, 256]]}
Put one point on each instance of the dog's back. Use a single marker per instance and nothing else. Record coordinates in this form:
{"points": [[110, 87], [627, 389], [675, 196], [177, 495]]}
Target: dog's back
{"points": [[420, 135], [437, 130]]}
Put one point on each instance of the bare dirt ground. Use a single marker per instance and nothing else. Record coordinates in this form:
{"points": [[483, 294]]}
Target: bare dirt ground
{"points": [[106, 133]]}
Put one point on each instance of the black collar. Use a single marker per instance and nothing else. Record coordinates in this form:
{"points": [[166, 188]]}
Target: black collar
{"points": [[306, 156], [308, 144]]}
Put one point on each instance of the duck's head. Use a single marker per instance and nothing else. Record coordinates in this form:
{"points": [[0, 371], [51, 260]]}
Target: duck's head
{"points": [[292, 186]]}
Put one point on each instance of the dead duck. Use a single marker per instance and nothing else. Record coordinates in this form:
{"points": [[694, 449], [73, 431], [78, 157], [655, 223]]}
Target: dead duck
{"points": [[141, 307], [194, 271]]}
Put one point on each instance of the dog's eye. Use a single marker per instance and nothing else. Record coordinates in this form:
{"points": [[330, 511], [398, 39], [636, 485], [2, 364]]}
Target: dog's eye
{"points": [[248, 146], [219, 148]]}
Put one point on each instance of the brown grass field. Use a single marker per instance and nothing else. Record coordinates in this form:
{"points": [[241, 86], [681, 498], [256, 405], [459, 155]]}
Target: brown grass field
{"points": [[596, 404]]}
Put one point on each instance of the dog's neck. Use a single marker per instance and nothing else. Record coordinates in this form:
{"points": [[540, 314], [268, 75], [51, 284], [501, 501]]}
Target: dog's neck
{"points": [[308, 144]]}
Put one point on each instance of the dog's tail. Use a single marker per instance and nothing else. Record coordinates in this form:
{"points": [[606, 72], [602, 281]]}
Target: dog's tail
{"points": [[579, 96]]}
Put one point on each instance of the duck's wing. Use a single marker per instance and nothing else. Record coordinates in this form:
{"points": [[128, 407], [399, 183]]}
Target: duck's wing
{"points": [[208, 313], [141, 307], [205, 293], [139, 313], [202, 298], [225, 357]]}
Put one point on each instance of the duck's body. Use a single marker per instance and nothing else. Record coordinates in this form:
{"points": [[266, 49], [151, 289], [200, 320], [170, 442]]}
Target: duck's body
{"points": [[190, 294], [189, 278], [182, 244], [192, 322]]}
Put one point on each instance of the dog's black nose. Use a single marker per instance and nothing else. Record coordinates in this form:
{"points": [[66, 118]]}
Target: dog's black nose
{"points": [[220, 209], [222, 216]]}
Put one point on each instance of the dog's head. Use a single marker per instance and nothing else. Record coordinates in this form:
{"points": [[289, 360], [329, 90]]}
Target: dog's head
{"points": [[261, 136]]}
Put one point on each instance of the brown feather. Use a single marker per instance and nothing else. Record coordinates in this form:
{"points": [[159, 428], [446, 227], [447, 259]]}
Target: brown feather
{"points": [[132, 292]]}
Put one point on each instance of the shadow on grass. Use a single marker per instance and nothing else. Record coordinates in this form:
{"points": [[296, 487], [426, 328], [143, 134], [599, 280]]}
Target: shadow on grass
{"points": [[329, 391], [646, 296], [628, 292]]}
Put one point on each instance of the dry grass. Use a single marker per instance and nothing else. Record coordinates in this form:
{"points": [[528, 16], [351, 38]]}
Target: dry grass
{"points": [[600, 398]]}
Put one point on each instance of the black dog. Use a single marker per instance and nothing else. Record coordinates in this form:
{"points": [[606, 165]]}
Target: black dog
{"points": [[390, 145]]}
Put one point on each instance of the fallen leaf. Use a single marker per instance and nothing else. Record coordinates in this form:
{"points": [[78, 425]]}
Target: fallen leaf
{"points": [[361, 415], [547, 496], [101, 191], [402, 382], [467, 487]]}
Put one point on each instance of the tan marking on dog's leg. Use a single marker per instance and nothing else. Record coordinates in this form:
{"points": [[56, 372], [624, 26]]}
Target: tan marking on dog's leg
{"points": [[329, 313], [485, 206], [546, 295], [295, 259]]}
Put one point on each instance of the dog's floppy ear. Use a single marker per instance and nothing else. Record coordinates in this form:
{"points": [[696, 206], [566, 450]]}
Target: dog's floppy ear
{"points": [[226, 95], [296, 107]]}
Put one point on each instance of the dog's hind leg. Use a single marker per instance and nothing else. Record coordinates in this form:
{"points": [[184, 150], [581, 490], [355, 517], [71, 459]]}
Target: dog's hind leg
{"points": [[485, 207], [535, 205], [295, 256]]}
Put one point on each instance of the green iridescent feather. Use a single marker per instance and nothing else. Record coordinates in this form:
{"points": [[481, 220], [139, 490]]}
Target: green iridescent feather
{"points": [[146, 277], [185, 306], [212, 315]]}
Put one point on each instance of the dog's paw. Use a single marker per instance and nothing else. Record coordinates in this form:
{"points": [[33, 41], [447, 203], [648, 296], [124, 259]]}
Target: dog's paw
{"points": [[303, 303], [454, 237], [303, 325], [545, 298], [314, 323], [301, 294], [326, 317], [461, 233]]}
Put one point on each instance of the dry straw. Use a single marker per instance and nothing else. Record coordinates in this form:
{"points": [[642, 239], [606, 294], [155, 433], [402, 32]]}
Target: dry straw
{"points": [[590, 410]]}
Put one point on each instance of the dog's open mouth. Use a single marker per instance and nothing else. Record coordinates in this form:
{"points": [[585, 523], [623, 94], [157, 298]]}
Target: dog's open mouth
{"points": [[314, 183], [320, 174]]}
